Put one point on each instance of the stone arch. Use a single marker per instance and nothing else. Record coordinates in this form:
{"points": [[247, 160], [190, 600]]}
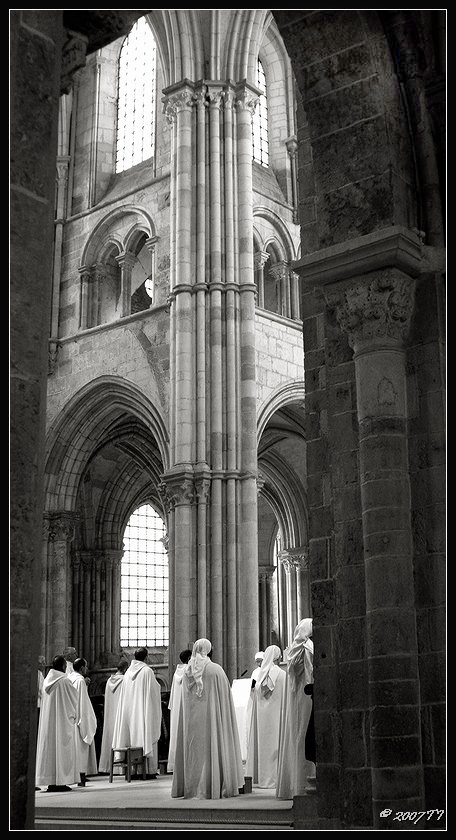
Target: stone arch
{"points": [[281, 231], [130, 217], [88, 418], [290, 392], [179, 44]]}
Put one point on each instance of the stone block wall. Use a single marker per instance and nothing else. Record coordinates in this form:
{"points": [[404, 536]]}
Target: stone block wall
{"points": [[279, 353], [336, 561]]}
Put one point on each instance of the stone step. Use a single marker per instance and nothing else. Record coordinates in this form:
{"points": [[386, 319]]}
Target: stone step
{"points": [[126, 825], [131, 817]]}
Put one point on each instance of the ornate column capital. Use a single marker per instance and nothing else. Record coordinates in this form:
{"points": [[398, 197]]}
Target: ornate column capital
{"points": [[73, 58], [265, 572], [246, 97], [53, 352], [177, 100], [178, 487], [215, 95], [292, 145], [260, 258], [293, 558], [200, 97], [61, 525], [261, 481], [63, 162], [86, 271], [376, 307], [203, 485], [151, 242], [279, 270], [126, 260]]}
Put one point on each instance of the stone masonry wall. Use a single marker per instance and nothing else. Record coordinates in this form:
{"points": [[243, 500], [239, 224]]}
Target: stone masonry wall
{"points": [[279, 354], [336, 569]]}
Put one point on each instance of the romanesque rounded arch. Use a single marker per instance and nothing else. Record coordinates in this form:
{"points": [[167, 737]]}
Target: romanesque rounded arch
{"points": [[281, 231], [289, 392], [130, 215], [88, 420]]}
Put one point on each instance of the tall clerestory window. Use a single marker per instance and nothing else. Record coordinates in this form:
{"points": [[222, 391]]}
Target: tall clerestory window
{"points": [[135, 139], [260, 121], [144, 610]]}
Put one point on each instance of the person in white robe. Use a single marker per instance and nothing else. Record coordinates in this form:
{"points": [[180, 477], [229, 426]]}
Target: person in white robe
{"points": [[111, 701], [294, 769], [207, 762], [86, 723], [138, 717], [174, 705], [56, 749], [263, 743], [70, 655], [259, 656]]}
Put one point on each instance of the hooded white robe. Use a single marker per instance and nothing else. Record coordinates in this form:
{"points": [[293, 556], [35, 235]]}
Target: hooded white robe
{"points": [[86, 726], [263, 743], [111, 701], [138, 718], [56, 750], [293, 767], [207, 762], [174, 707]]}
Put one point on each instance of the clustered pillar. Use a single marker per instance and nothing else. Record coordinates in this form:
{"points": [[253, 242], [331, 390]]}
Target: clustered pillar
{"points": [[210, 486]]}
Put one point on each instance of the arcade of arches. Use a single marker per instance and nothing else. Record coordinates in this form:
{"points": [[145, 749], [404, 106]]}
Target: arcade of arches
{"points": [[241, 331]]}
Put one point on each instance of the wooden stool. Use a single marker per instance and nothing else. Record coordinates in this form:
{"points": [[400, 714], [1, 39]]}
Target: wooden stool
{"points": [[126, 757]]}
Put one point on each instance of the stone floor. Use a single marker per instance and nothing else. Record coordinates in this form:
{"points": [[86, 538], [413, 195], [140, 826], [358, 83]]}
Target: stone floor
{"points": [[147, 805]]}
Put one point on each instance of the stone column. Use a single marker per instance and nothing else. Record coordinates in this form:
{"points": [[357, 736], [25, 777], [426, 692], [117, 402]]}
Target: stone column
{"points": [[86, 278], [260, 260], [126, 261], [295, 296], [215, 96], [202, 487], [61, 534], [288, 564], [375, 311], [279, 272], [60, 216], [248, 556], [151, 245], [292, 149], [116, 558], [264, 575]]}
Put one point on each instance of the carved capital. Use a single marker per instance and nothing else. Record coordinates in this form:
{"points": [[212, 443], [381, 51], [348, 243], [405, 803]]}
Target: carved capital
{"points": [[174, 103], [292, 146], [293, 558], [279, 271], [378, 307], [73, 58], [246, 98], [63, 162], [260, 259], [165, 541], [261, 481], [202, 488], [53, 352], [126, 260], [151, 242], [215, 96], [200, 97], [177, 488], [265, 572], [62, 526]]}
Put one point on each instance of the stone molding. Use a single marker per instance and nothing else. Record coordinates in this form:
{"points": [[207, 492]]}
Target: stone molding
{"points": [[60, 526], [394, 246]]}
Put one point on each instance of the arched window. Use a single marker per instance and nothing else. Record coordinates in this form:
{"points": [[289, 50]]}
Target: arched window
{"points": [[135, 140], [260, 121], [144, 581]]}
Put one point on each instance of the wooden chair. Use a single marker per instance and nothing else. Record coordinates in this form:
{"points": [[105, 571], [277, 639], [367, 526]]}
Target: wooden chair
{"points": [[127, 757]]}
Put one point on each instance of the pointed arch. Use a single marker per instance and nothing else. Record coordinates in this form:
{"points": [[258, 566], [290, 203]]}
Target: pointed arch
{"points": [[93, 416]]}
